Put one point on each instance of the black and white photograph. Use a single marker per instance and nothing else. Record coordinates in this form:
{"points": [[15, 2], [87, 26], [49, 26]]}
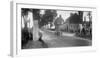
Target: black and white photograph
{"points": [[55, 28]]}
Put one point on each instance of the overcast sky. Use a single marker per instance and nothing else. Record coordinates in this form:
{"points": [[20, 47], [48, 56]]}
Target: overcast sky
{"points": [[65, 14]]}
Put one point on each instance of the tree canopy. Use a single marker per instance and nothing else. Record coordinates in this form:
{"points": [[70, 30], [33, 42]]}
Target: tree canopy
{"points": [[75, 18], [48, 17]]}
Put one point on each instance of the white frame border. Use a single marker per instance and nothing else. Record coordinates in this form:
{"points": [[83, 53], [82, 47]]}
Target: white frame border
{"points": [[15, 30]]}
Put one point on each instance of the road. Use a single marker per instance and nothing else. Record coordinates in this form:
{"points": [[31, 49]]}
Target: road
{"points": [[66, 40], [50, 39]]}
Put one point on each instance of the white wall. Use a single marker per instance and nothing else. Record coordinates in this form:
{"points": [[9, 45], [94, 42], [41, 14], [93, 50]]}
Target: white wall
{"points": [[5, 28]]}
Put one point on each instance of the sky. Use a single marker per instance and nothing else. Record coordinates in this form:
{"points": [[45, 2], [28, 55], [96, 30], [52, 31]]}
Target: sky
{"points": [[65, 14]]}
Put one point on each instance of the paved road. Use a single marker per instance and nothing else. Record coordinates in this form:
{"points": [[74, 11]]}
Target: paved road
{"points": [[52, 40], [67, 40]]}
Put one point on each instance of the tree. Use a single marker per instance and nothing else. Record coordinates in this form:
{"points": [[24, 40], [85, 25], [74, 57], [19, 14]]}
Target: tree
{"points": [[36, 14], [48, 17], [24, 11], [76, 18]]}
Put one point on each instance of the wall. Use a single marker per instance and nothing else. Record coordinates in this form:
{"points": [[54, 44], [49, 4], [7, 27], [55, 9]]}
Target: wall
{"points": [[5, 28]]}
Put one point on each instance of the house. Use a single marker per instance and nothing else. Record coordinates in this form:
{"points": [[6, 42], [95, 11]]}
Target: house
{"points": [[72, 23]]}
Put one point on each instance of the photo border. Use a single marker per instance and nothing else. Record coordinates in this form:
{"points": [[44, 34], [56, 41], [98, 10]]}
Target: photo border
{"points": [[16, 34]]}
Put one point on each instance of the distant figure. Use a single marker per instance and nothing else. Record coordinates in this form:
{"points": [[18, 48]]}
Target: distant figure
{"points": [[59, 21], [83, 30]]}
